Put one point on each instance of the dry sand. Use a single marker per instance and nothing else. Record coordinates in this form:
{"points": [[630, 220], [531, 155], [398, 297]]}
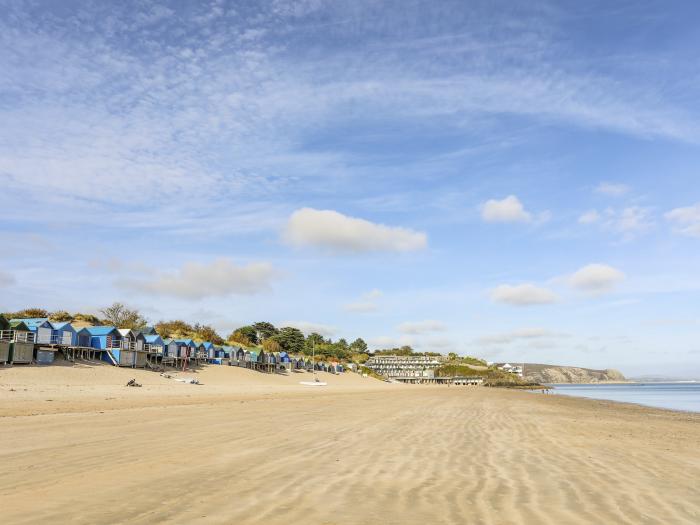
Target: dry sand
{"points": [[76, 446]]}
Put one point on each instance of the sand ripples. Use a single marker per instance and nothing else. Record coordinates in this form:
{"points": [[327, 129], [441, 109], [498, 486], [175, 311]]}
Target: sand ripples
{"points": [[405, 456]]}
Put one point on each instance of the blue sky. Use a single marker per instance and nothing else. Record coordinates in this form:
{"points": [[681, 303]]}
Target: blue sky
{"points": [[517, 181]]}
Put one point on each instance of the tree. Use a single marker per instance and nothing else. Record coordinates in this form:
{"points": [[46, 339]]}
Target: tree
{"points": [[122, 317], [452, 356], [290, 339], [264, 330], [205, 332], [359, 346], [28, 313], [271, 345], [247, 332], [175, 329], [60, 316], [314, 339], [359, 358], [237, 337]]}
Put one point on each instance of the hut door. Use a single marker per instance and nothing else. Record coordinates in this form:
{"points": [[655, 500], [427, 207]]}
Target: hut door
{"points": [[66, 338]]}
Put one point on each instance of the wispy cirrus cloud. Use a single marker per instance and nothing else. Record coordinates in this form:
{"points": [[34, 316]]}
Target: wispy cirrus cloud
{"points": [[685, 220], [522, 334], [422, 327], [613, 189], [366, 304]]}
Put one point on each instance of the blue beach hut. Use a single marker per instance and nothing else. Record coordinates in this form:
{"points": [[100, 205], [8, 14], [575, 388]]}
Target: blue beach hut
{"points": [[41, 327], [208, 349], [154, 344], [64, 334], [170, 348]]}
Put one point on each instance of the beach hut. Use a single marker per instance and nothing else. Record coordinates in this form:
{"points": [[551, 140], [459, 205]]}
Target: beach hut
{"points": [[139, 346], [22, 342], [64, 334], [240, 357], [228, 352], [251, 359], [126, 354], [154, 344], [170, 348], [109, 340], [140, 340], [83, 338], [187, 348], [208, 349], [41, 327], [5, 340]]}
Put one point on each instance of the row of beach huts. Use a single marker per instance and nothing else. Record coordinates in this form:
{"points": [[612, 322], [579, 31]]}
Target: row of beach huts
{"points": [[24, 341]]}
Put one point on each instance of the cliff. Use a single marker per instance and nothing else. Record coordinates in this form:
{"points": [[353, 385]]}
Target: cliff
{"points": [[569, 374]]}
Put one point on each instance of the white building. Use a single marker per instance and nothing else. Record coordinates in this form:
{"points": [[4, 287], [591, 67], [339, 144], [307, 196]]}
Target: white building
{"points": [[398, 366]]}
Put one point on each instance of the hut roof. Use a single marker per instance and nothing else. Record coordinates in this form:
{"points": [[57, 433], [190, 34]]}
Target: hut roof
{"points": [[207, 345], [34, 322], [64, 325], [101, 330], [153, 339], [17, 324]]}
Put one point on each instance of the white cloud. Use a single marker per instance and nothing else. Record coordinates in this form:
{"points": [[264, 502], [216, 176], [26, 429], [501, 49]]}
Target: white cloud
{"points": [[686, 220], [308, 327], [612, 189], [366, 304], [633, 220], [509, 209], [518, 335], [629, 222], [589, 217], [422, 327], [596, 278], [194, 280], [339, 233], [361, 307], [6, 279], [522, 295]]}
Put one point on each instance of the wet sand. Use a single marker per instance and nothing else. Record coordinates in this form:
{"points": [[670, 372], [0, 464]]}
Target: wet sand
{"points": [[251, 448]]}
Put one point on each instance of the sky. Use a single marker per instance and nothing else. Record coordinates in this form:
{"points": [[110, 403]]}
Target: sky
{"points": [[513, 180]]}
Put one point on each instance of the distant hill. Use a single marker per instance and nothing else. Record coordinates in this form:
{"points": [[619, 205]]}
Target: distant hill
{"points": [[540, 373]]}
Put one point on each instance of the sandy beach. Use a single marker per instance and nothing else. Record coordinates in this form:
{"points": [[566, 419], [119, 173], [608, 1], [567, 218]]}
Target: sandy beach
{"points": [[243, 447]]}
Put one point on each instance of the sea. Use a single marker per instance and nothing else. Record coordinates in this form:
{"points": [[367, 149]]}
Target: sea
{"points": [[675, 396]]}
